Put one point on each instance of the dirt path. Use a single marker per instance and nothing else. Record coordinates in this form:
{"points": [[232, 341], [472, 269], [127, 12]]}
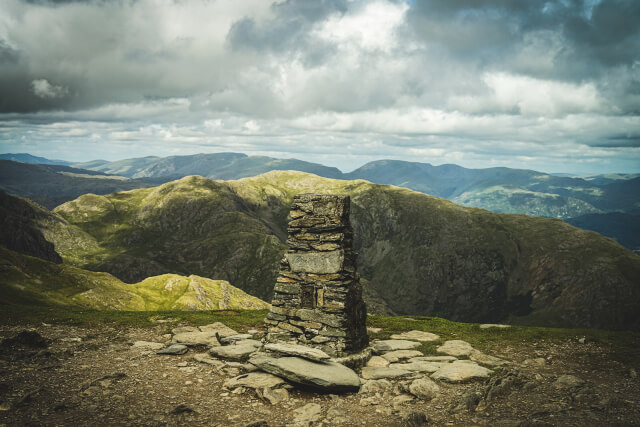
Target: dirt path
{"points": [[95, 377]]}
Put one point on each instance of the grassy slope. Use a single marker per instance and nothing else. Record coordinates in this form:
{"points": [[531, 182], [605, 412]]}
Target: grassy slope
{"points": [[25, 280], [421, 254]]}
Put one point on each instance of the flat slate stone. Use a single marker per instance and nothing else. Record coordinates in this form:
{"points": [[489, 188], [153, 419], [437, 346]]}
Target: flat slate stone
{"points": [[455, 348], [485, 359], [442, 359], [416, 335], [174, 349], [297, 350], [394, 356], [240, 351], [235, 338], [205, 358], [376, 373], [327, 376], [460, 371], [257, 380], [222, 329], [195, 338], [418, 366], [392, 345]]}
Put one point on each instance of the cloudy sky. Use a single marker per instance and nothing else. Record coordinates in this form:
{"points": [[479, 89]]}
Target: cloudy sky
{"points": [[546, 85]]}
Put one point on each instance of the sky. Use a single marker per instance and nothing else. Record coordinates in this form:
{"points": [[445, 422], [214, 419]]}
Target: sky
{"points": [[546, 85]]}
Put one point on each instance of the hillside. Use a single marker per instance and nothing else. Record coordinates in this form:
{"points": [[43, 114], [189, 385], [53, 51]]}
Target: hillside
{"points": [[28, 158], [27, 280], [51, 185], [213, 166], [422, 255]]}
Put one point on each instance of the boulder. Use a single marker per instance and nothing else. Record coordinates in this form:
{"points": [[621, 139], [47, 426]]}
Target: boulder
{"points": [[376, 373], [326, 376], [297, 350], [455, 348], [424, 388], [392, 345], [460, 371], [416, 335]]}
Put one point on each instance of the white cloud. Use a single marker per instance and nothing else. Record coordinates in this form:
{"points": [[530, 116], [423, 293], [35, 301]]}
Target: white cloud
{"points": [[43, 89]]}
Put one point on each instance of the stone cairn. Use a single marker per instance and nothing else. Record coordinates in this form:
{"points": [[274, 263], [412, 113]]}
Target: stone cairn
{"points": [[318, 296]]}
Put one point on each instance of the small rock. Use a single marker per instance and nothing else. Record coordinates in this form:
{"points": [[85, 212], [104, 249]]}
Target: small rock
{"points": [[147, 345], [297, 350], [568, 381], [424, 388], [460, 371], [494, 325], [196, 338], [181, 409], [174, 349], [378, 361], [308, 413], [582, 340], [394, 356], [414, 419], [376, 373], [181, 364], [633, 373], [416, 335], [252, 331], [71, 339], [275, 396], [455, 348], [374, 330], [469, 401], [338, 415], [392, 345]]}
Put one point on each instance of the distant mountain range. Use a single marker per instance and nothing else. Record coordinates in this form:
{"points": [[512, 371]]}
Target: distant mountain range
{"points": [[28, 158], [501, 190]]}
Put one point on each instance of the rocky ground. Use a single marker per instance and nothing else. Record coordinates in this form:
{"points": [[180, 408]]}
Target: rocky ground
{"points": [[65, 375]]}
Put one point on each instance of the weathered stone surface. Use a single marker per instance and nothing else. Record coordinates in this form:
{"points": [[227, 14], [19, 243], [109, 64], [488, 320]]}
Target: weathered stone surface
{"points": [[307, 414], [441, 359], [394, 356], [181, 329], [326, 376], [416, 335], [275, 396], [256, 380], [239, 351], [316, 262], [376, 373], [297, 350], [174, 349], [392, 345], [207, 359], [147, 345], [424, 388], [455, 348], [316, 316], [460, 371], [377, 361], [485, 359], [376, 386], [235, 338], [222, 329], [418, 366], [196, 338]]}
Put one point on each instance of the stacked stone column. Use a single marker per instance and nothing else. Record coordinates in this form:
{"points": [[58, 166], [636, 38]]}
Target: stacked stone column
{"points": [[318, 297]]}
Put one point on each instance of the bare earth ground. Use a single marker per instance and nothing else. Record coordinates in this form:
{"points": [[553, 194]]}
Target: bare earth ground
{"points": [[92, 376]]}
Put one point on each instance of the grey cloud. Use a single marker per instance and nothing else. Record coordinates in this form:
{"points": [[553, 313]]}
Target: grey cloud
{"points": [[619, 141]]}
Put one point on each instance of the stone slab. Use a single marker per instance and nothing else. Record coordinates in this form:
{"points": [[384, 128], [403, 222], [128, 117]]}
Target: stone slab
{"points": [[327, 376], [316, 262], [394, 356], [455, 348], [297, 350], [460, 371], [416, 335], [392, 345], [256, 380], [240, 351], [376, 373]]}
